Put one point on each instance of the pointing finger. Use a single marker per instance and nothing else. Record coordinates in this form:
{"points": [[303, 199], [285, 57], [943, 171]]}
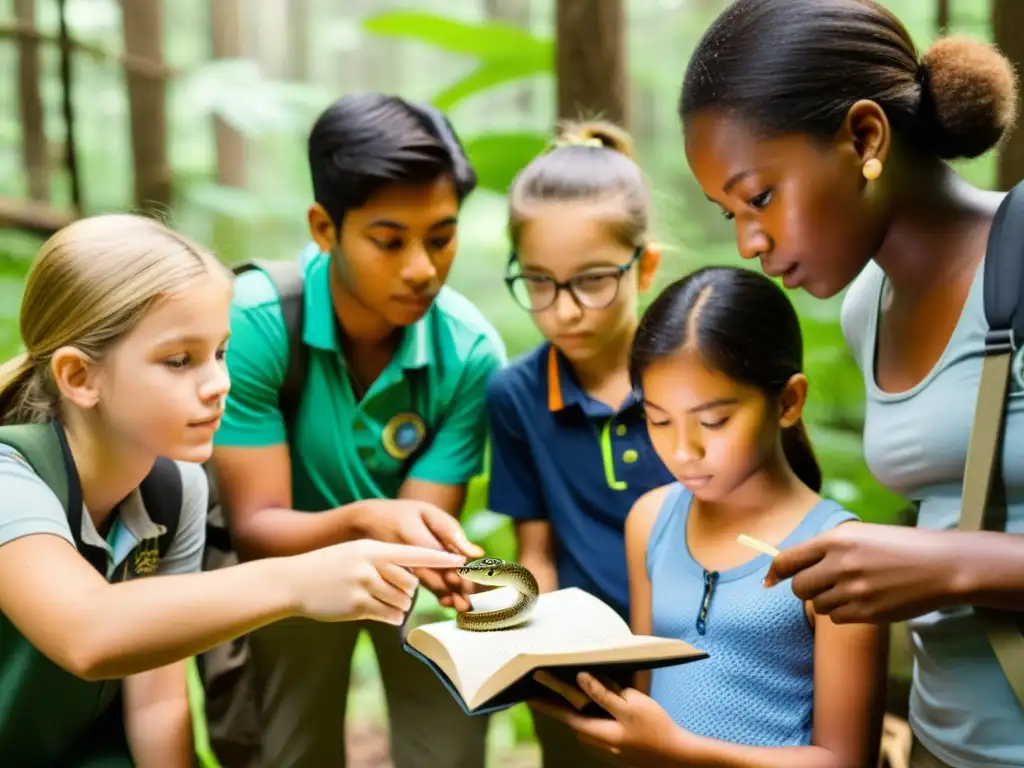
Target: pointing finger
{"points": [[414, 557]]}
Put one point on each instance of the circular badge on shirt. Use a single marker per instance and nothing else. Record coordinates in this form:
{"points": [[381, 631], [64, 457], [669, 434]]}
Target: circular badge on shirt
{"points": [[403, 434], [1017, 367]]}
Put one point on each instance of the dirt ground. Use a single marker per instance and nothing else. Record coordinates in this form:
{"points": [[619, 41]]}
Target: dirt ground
{"points": [[368, 748]]}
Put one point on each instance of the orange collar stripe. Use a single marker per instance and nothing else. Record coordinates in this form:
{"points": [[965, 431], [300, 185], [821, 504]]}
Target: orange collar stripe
{"points": [[555, 402]]}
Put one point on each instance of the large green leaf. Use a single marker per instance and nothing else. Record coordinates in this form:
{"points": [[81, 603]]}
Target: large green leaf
{"points": [[498, 157], [487, 41], [506, 53], [488, 75]]}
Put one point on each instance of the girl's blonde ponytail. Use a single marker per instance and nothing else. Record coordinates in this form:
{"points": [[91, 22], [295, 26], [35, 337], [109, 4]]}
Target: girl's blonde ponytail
{"points": [[23, 398]]}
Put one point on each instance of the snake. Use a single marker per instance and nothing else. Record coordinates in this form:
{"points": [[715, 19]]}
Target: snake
{"points": [[499, 573]]}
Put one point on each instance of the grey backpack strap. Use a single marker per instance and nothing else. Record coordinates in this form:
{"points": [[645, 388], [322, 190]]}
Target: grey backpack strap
{"points": [[288, 279]]}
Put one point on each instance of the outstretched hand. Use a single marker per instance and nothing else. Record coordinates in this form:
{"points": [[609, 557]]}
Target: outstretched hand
{"points": [[422, 524], [861, 572], [642, 733], [361, 579]]}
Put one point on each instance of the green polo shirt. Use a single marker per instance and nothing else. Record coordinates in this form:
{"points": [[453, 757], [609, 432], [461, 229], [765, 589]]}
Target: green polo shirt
{"points": [[423, 417]]}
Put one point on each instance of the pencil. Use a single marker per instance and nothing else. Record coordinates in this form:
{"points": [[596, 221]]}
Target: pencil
{"points": [[760, 546]]}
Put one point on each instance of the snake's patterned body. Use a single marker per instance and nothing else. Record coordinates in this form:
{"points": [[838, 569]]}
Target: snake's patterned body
{"points": [[499, 573]]}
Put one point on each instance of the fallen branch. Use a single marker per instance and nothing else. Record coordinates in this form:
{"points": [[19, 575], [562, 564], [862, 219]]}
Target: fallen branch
{"points": [[138, 65], [32, 216]]}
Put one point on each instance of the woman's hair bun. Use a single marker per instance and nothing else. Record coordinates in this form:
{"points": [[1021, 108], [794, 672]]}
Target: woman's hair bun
{"points": [[598, 131], [971, 89]]}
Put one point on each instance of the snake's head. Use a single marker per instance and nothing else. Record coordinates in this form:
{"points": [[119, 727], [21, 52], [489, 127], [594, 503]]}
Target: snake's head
{"points": [[485, 570]]}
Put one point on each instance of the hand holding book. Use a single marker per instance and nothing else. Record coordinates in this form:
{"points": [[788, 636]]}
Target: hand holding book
{"points": [[639, 730]]}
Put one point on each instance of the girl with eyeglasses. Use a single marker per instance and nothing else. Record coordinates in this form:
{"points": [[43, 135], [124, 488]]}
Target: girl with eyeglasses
{"points": [[570, 451]]}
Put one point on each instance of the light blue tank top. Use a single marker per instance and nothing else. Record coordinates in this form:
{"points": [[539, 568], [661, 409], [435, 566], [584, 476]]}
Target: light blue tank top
{"points": [[962, 709], [757, 686]]}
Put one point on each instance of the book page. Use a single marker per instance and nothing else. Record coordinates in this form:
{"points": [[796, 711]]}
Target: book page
{"points": [[563, 621]]}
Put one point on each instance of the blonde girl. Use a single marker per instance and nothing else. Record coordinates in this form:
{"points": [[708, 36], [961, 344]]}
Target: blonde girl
{"points": [[106, 418]]}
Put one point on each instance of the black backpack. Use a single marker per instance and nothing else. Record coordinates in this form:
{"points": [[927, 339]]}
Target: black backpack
{"points": [[983, 506]]}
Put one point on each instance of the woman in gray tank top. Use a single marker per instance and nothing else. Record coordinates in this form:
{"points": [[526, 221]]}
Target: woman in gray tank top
{"points": [[818, 129]]}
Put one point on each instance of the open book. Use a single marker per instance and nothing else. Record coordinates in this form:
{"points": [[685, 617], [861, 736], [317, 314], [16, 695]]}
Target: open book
{"points": [[569, 631]]}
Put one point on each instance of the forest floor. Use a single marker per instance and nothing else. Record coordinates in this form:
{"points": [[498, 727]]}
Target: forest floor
{"points": [[367, 745]]}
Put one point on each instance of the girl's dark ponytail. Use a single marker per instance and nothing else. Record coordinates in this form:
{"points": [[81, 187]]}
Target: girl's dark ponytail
{"points": [[796, 444]]}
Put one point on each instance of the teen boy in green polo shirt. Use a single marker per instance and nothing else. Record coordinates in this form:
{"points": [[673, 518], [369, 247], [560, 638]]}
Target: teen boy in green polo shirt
{"points": [[389, 429]]}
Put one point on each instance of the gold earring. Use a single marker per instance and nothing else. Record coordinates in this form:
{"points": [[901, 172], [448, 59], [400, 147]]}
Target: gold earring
{"points": [[872, 169]]}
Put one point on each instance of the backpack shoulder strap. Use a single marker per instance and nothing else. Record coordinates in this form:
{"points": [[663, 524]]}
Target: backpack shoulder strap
{"points": [[1004, 271], [289, 281], [1004, 313], [45, 447], [162, 495], [39, 445]]}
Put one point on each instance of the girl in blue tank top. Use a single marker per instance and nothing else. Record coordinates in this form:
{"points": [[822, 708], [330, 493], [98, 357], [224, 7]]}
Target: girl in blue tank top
{"points": [[718, 358]]}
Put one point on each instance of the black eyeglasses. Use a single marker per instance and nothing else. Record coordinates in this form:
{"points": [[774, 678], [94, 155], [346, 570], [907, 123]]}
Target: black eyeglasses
{"points": [[591, 290]]}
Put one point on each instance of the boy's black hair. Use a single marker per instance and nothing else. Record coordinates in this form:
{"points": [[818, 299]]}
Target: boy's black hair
{"points": [[365, 141]]}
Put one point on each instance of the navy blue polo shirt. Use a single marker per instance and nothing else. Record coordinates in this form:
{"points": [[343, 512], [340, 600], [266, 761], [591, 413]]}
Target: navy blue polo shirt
{"points": [[559, 455]]}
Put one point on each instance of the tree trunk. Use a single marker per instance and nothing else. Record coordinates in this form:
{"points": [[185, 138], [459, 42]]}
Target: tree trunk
{"points": [[1008, 24], [373, 64], [942, 16], [298, 40], [270, 37], [228, 237], [33, 128], [147, 105], [590, 60], [226, 24], [517, 14]]}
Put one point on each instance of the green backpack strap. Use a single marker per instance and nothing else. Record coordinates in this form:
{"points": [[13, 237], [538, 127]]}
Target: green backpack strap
{"points": [[45, 448], [40, 447]]}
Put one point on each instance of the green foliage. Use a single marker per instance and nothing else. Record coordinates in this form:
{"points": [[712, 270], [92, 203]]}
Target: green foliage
{"points": [[255, 106], [498, 157], [197, 704], [466, 68], [487, 75], [505, 52]]}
